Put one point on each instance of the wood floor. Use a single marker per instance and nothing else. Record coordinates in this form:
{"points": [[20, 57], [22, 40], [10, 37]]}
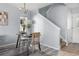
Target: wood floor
{"points": [[70, 50], [12, 51]]}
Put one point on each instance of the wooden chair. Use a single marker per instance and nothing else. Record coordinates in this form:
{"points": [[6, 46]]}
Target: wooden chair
{"points": [[36, 40]]}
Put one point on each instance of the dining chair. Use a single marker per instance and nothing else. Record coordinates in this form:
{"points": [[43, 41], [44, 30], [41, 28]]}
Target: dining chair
{"points": [[36, 40], [24, 40], [19, 39]]}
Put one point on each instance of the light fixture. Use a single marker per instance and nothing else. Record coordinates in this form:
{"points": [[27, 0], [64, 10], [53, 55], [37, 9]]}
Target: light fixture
{"points": [[23, 8]]}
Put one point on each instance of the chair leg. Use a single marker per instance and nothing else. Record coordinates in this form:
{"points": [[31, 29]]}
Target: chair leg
{"points": [[19, 44], [33, 47], [39, 46], [17, 41], [27, 50]]}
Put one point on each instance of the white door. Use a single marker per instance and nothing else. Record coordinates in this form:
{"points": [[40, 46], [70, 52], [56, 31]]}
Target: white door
{"points": [[75, 28]]}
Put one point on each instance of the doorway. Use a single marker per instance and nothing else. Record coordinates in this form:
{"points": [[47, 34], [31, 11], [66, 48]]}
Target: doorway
{"points": [[75, 28]]}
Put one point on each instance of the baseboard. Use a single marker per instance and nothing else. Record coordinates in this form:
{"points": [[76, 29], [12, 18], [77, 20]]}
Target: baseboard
{"points": [[8, 45], [74, 42], [50, 46]]}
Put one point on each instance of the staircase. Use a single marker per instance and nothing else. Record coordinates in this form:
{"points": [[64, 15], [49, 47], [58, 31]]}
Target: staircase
{"points": [[42, 12], [50, 33]]}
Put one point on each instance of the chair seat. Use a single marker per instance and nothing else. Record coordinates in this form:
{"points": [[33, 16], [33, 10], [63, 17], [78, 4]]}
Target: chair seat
{"points": [[25, 38]]}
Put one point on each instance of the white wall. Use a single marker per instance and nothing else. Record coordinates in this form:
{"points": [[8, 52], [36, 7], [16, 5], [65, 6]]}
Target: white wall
{"points": [[58, 15], [8, 32], [31, 6], [50, 33]]}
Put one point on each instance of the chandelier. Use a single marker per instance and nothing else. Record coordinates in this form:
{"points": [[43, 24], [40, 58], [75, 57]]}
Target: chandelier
{"points": [[23, 8]]}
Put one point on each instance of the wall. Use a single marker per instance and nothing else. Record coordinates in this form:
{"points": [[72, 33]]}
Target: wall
{"points": [[61, 13], [58, 15], [50, 33], [31, 6], [43, 10], [8, 33]]}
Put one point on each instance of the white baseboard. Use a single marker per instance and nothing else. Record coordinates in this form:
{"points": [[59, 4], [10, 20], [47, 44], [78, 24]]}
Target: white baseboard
{"points": [[7, 45], [50, 46], [75, 42]]}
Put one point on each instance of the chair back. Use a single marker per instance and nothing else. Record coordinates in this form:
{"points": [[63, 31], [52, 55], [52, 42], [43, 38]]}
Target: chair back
{"points": [[36, 36]]}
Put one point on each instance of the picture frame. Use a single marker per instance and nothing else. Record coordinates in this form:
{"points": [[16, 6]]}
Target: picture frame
{"points": [[3, 18]]}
